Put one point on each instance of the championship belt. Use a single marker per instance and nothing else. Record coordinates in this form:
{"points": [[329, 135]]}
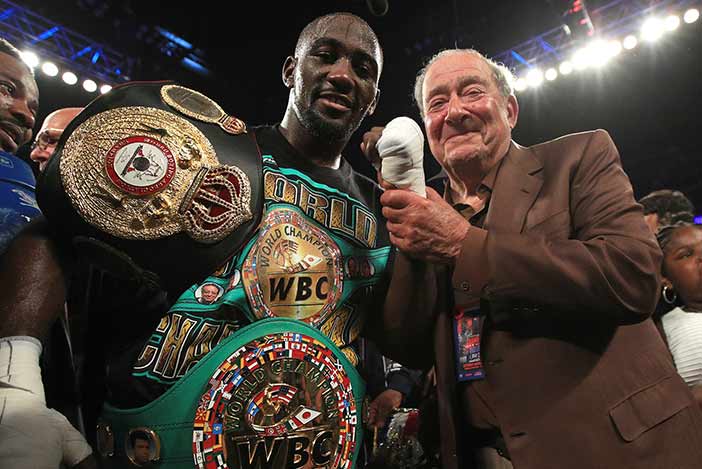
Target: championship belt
{"points": [[153, 171], [275, 394]]}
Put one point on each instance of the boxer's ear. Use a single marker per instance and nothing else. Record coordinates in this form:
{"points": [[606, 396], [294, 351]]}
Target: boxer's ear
{"points": [[374, 103], [289, 71]]}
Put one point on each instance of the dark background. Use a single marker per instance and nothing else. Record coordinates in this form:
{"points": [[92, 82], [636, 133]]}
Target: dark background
{"points": [[649, 99]]}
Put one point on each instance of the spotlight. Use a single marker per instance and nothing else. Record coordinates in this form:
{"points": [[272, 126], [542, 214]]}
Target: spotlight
{"points": [[691, 15], [630, 42], [652, 29], [30, 58], [105, 89], [535, 77], [581, 59], [551, 74], [672, 22], [599, 52], [520, 84], [89, 86], [614, 48], [565, 68], [70, 78], [49, 68]]}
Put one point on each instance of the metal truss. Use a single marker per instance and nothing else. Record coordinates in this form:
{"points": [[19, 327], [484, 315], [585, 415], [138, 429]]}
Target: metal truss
{"points": [[612, 20], [52, 41]]}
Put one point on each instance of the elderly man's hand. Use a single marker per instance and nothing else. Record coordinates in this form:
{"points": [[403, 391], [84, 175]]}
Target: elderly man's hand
{"points": [[426, 229]]}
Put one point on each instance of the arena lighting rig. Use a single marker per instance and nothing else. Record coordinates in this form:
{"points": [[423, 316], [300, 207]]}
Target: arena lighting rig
{"points": [[60, 52], [586, 39], [592, 39]]}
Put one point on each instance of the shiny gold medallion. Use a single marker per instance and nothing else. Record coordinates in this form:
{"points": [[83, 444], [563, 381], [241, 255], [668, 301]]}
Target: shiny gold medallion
{"points": [[144, 173], [200, 107], [293, 270], [281, 400]]}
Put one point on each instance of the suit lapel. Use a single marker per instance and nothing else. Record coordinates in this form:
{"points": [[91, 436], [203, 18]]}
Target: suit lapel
{"points": [[518, 182]]}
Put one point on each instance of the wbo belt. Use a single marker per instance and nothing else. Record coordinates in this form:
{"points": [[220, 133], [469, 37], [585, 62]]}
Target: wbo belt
{"points": [[276, 394], [150, 171]]}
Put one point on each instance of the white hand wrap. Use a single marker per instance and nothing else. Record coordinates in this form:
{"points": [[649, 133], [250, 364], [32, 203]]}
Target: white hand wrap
{"points": [[30, 434], [401, 150]]}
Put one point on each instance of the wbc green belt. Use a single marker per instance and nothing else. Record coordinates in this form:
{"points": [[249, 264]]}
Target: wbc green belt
{"points": [[275, 394]]}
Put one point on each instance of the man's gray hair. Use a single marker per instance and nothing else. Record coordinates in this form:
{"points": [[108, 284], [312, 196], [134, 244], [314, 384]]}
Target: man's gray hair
{"points": [[501, 74]]}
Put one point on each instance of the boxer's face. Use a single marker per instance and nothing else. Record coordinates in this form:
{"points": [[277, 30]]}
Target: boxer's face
{"points": [[335, 78], [19, 100]]}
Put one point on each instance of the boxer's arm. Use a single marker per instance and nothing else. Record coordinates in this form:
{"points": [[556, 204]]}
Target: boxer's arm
{"points": [[33, 273], [409, 313]]}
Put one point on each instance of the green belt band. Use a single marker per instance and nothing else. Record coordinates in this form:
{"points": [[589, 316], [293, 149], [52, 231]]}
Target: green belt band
{"points": [[171, 416]]}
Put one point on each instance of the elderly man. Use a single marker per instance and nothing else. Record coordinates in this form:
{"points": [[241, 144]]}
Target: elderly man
{"points": [[546, 277], [50, 133]]}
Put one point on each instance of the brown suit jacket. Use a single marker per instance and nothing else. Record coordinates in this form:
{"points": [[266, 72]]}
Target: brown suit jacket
{"points": [[567, 272]]}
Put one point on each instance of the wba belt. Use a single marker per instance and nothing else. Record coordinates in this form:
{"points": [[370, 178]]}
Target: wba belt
{"points": [[275, 394]]}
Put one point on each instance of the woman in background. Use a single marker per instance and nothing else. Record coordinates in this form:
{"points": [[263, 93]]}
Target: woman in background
{"points": [[682, 290]]}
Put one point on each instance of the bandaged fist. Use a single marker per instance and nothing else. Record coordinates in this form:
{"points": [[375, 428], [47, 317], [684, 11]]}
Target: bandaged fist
{"points": [[397, 150], [31, 435]]}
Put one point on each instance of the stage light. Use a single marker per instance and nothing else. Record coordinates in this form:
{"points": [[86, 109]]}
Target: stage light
{"points": [[534, 77], [30, 58], [672, 22], [565, 68], [691, 15], [49, 68], [614, 47], [581, 59], [590, 55], [652, 29], [551, 74], [89, 86], [105, 89], [599, 52], [70, 78], [520, 84], [630, 42]]}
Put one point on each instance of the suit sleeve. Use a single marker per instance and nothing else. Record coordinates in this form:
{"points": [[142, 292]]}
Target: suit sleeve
{"points": [[609, 264]]}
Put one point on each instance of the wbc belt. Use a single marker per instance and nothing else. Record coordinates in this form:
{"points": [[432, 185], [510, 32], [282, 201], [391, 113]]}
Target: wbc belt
{"points": [[150, 171], [275, 394]]}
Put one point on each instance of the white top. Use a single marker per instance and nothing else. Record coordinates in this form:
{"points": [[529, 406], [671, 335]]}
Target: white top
{"points": [[684, 333]]}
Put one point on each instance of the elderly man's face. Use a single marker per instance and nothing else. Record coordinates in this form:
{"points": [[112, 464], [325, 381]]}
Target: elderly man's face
{"points": [[468, 121], [19, 100], [50, 133], [209, 293]]}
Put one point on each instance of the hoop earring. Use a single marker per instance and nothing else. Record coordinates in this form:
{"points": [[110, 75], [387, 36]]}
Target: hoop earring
{"points": [[667, 290]]}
